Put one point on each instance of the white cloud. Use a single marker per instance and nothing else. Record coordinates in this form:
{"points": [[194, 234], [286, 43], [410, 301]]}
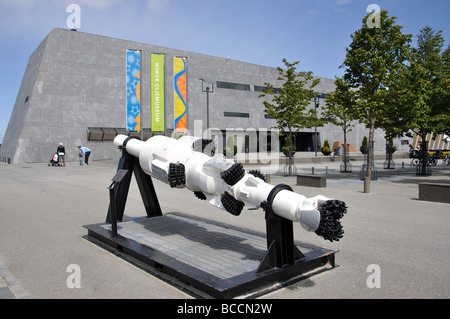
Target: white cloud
{"points": [[343, 2], [97, 4], [23, 3], [319, 13], [157, 6]]}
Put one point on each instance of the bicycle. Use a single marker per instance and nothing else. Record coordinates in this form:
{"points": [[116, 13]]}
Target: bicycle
{"points": [[415, 162], [446, 160], [418, 161]]}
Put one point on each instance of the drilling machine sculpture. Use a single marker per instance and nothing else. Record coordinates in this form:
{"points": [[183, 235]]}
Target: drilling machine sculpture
{"points": [[225, 184]]}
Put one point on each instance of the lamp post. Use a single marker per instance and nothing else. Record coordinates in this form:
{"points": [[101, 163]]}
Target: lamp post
{"points": [[316, 106], [208, 87]]}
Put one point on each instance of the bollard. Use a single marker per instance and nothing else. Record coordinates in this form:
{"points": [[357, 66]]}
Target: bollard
{"points": [[366, 184]]}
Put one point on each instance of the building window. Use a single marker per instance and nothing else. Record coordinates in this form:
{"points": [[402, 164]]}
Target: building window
{"points": [[236, 114], [107, 134], [259, 88], [233, 86]]}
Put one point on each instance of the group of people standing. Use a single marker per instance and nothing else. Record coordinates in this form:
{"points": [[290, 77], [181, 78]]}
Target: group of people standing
{"points": [[83, 151]]}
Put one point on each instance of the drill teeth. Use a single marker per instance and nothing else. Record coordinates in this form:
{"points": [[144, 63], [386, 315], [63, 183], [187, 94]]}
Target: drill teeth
{"points": [[232, 205], [177, 175], [258, 174], [234, 174], [200, 195], [330, 226]]}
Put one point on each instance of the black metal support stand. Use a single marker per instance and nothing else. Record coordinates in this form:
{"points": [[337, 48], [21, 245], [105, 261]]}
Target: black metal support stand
{"points": [[121, 173], [113, 209], [281, 250], [119, 190]]}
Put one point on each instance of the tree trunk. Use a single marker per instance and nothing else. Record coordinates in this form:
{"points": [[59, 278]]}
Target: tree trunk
{"points": [[424, 154], [389, 147], [370, 155], [344, 151], [290, 151]]}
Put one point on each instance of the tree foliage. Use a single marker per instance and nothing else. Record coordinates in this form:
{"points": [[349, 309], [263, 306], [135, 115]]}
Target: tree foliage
{"points": [[421, 92], [340, 110], [374, 57], [340, 106], [289, 103]]}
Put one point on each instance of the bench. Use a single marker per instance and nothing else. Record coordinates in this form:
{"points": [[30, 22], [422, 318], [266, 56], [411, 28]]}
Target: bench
{"points": [[434, 192], [312, 180]]}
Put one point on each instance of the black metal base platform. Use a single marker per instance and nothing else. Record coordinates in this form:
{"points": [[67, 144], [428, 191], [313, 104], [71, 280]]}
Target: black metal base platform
{"points": [[213, 259]]}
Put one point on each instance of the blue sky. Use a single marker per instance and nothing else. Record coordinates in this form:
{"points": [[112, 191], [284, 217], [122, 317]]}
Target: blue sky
{"points": [[315, 32]]}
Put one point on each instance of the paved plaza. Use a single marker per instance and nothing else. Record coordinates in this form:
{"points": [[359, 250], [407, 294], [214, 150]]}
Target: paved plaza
{"points": [[394, 246]]}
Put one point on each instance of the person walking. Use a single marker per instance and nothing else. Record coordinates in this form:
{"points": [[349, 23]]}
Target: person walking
{"points": [[86, 152], [61, 151], [80, 156]]}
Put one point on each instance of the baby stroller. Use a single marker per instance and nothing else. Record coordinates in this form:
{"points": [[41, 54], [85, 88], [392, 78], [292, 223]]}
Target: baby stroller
{"points": [[54, 160]]}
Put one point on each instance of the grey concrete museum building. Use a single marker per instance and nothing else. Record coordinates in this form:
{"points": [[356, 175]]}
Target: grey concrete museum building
{"points": [[74, 91]]}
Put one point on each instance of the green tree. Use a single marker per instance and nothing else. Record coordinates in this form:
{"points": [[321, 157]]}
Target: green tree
{"points": [[422, 91], [289, 104], [373, 57], [364, 148], [326, 147], [340, 110]]}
